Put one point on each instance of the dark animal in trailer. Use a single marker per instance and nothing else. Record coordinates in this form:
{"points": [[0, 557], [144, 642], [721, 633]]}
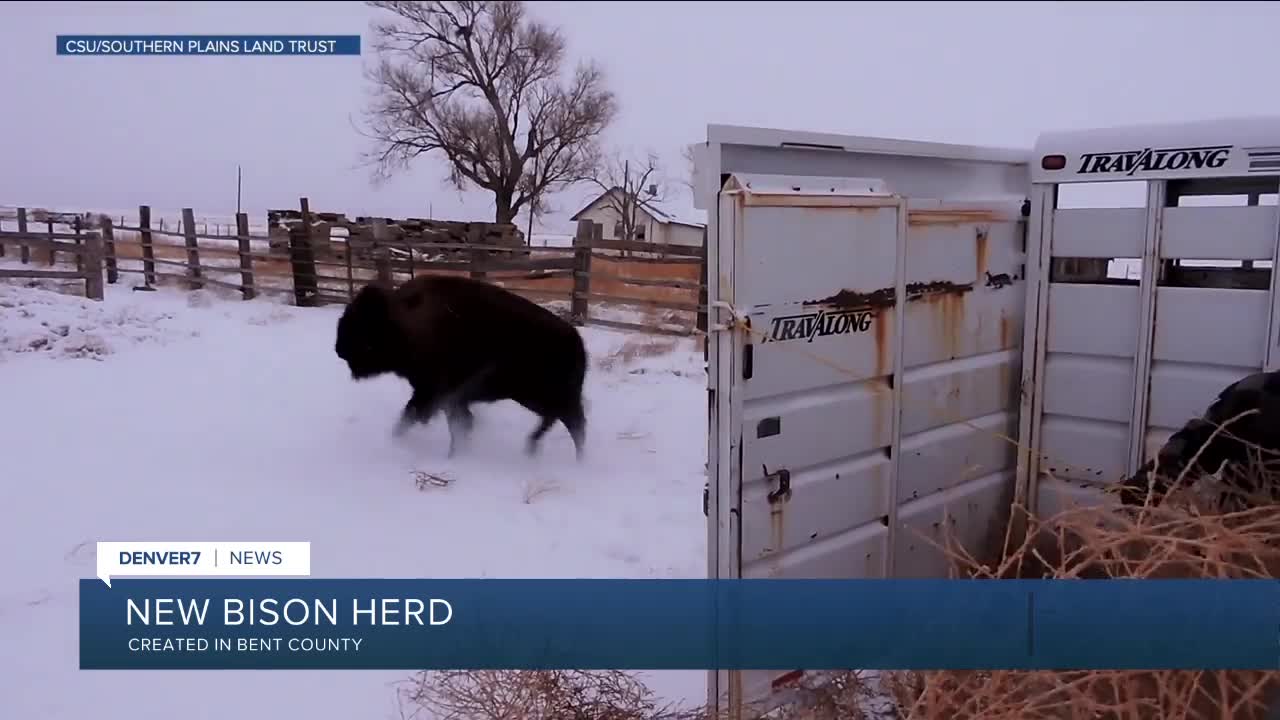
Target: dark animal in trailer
{"points": [[1244, 420], [459, 341]]}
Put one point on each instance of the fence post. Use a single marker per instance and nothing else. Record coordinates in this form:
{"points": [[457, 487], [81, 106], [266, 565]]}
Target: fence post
{"points": [[109, 250], [475, 254], [193, 250], [148, 251], [79, 245], [24, 250], [381, 254], [91, 266], [246, 258], [582, 270], [356, 235], [53, 252], [301, 257]]}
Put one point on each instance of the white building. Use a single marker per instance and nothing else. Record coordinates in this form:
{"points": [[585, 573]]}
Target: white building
{"points": [[654, 223]]}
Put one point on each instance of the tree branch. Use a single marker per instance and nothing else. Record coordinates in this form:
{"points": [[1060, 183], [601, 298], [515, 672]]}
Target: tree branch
{"points": [[480, 83], [624, 183]]}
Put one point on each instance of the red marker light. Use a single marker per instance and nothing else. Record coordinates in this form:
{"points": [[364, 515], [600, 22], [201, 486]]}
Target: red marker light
{"points": [[1053, 162]]}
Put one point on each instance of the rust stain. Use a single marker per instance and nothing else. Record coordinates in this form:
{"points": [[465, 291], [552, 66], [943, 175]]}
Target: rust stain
{"points": [[953, 313], [881, 409], [918, 218], [930, 291], [881, 324], [852, 299], [948, 317], [778, 527], [980, 247], [856, 203], [848, 299], [998, 280]]}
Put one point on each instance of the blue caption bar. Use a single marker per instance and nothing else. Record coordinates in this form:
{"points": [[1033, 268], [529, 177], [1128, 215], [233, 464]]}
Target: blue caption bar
{"points": [[208, 44], [679, 624]]}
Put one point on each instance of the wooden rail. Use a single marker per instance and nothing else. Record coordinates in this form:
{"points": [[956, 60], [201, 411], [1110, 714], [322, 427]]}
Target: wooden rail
{"points": [[594, 272]]}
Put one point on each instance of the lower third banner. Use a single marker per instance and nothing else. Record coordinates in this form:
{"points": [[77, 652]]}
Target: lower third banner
{"points": [[679, 624]]}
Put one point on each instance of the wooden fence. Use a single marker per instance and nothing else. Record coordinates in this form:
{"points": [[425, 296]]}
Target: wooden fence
{"points": [[599, 282], [86, 248]]}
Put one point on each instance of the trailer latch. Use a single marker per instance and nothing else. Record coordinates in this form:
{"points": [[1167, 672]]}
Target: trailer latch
{"points": [[783, 478]]}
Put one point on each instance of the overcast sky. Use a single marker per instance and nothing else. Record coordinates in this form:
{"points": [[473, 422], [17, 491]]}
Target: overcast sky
{"points": [[115, 132]]}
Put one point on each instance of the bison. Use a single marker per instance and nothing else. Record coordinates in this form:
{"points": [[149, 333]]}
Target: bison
{"points": [[459, 341], [1243, 419]]}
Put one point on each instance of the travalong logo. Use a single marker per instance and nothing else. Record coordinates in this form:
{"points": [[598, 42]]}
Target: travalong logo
{"points": [[1160, 160], [819, 324]]}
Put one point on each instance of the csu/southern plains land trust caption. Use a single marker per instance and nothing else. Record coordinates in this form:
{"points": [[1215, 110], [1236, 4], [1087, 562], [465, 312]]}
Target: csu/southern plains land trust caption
{"points": [[269, 612]]}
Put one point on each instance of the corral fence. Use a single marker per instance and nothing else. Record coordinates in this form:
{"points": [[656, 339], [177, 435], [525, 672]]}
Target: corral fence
{"points": [[633, 285], [86, 249]]}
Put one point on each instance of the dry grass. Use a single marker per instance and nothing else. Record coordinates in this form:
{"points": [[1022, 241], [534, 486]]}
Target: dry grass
{"points": [[531, 695], [609, 695], [1187, 537], [635, 348]]}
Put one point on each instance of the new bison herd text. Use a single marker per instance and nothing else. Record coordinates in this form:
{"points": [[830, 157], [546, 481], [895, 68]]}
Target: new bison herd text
{"points": [[459, 341]]}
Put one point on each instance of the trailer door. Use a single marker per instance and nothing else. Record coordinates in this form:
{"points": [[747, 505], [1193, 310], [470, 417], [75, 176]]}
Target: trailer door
{"points": [[864, 403]]}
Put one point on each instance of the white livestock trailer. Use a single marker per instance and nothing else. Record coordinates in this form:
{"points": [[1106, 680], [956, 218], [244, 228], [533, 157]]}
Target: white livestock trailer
{"points": [[907, 336]]}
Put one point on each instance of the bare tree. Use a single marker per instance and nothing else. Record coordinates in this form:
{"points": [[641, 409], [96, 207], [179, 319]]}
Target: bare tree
{"points": [[481, 83], [629, 186], [686, 154]]}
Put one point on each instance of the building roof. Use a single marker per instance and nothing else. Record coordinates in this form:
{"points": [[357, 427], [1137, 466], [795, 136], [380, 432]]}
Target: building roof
{"points": [[660, 211]]}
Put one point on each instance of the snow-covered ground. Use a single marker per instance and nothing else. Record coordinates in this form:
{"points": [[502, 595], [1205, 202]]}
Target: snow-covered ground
{"points": [[179, 415]]}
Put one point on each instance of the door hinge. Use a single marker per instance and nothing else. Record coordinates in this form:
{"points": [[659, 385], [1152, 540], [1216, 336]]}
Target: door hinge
{"points": [[748, 352], [783, 491], [706, 499]]}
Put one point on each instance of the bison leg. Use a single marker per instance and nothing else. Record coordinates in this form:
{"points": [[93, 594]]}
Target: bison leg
{"points": [[531, 445], [460, 423], [573, 420], [576, 422], [420, 409]]}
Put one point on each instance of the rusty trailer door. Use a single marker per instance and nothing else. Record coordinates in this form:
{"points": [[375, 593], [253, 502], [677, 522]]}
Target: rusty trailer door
{"points": [[864, 372]]}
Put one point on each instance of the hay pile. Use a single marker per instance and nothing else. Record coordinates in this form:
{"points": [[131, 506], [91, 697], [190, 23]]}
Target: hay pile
{"points": [[1189, 536]]}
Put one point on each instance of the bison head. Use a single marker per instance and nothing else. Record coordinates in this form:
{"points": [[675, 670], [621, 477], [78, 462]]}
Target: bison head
{"points": [[1194, 444], [368, 334]]}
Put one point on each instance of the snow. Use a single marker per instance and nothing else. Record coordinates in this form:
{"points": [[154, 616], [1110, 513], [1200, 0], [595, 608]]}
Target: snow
{"points": [[197, 416]]}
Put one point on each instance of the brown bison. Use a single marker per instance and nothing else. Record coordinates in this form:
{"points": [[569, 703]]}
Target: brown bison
{"points": [[459, 341]]}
